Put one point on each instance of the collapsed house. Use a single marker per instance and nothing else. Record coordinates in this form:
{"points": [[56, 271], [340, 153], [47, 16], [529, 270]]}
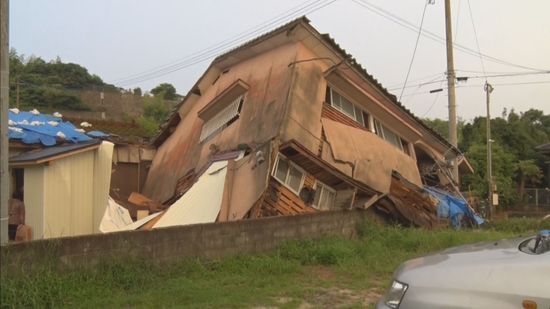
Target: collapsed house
{"points": [[63, 171], [289, 123]]}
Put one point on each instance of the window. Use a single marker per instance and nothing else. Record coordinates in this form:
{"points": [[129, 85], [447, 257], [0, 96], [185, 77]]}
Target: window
{"points": [[222, 119], [324, 196], [346, 107], [288, 174], [388, 135]]}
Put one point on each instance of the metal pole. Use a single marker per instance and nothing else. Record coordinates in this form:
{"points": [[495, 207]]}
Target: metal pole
{"points": [[451, 85], [488, 90], [4, 104]]}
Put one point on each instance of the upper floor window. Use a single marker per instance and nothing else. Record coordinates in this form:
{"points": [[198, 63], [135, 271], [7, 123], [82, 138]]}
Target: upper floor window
{"points": [[324, 196], [347, 108], [388, 135], [223, 111], [289, 174]]}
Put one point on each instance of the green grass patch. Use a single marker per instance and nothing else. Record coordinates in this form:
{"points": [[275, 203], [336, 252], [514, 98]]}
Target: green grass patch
{"points": [[329, 272]]}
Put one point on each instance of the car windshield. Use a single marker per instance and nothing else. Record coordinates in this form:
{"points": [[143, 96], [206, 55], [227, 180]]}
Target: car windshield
{"points": [[536, 245]]}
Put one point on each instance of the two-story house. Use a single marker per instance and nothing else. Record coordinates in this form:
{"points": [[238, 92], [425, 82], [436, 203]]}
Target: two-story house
{"points": [[317, 131]]}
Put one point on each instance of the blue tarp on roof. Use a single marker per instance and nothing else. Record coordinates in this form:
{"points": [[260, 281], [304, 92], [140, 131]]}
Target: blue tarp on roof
{"points": [[36, 128], [453, 207]]}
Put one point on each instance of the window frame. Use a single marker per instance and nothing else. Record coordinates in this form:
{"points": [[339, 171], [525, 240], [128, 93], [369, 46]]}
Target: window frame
{"points": [[381, 129], [203, 138], [356, 109], [323, 187], [290, 164]]}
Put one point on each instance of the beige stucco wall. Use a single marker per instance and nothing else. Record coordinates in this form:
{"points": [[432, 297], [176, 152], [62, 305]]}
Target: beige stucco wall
{"points": [[307, 93], [268, 76]]}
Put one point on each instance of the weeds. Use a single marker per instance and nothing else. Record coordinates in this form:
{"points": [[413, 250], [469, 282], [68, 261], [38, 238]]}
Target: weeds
{"points": [[297, 270]]}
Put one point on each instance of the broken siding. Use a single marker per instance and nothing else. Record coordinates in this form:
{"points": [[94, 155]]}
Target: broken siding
{"points": [[268, 79], [279, 200]]}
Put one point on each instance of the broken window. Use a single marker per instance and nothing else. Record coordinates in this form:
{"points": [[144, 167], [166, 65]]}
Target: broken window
{"points": [[324, 196], [223, 110], [222, 119], [288, 174], [388, 135], [346, 107]]}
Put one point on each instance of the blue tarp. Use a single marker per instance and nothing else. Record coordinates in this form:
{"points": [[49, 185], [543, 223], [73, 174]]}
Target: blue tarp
{"points": [[453, 207], [44, 129]]}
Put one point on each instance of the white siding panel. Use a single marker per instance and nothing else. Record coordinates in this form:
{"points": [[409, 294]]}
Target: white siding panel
{"points": [[102, 182], [202, 203], [34, 200], [68, 198]]}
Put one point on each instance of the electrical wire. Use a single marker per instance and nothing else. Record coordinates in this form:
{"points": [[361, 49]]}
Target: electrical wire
{"points": [[482, 85], [415, 48], [455, 36], [477, 41], [432, 36], [516, 74], [208, 53], [433, 103]]}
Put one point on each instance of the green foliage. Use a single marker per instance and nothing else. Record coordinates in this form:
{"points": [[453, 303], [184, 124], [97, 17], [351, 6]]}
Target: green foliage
{"points": [[516, 163], [155, 113], [137, 91], [292, 272], [51, 84], [165, 91]]}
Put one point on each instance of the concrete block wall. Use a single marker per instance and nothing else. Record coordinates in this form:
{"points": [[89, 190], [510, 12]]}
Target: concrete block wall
{"points": [[214, 240]]}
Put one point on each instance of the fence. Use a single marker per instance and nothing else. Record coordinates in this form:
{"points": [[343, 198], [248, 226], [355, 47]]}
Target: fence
{"points": [[537, 198], [211, 240]]}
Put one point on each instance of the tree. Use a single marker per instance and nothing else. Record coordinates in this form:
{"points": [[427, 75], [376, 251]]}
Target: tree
{"points": [[165, 91], [155, 113], [137, 91]]}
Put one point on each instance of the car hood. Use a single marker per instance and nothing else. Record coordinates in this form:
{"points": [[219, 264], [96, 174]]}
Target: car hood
{"points": [[489, 266]]}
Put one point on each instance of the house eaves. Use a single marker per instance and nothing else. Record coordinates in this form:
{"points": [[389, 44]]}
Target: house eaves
{"points": [[48, 154]]}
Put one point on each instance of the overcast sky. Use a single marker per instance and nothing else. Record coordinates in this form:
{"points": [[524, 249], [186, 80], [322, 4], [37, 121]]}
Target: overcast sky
{"points": [[123, 39]]}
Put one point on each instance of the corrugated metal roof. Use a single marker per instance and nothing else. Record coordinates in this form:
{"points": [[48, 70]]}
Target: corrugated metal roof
{"points": [[43, 154]]}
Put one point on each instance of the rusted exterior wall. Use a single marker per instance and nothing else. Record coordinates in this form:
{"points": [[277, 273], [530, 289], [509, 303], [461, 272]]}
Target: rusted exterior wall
{"points": [[268, 77]]}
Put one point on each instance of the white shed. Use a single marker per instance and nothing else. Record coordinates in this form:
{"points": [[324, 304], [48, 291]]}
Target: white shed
{"points": [[66, 187]]}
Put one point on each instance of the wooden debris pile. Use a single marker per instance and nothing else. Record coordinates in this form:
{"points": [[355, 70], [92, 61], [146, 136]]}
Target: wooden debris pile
{"points": [[409, 204]]}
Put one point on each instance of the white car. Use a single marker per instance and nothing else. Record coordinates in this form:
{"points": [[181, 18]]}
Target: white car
{"points": [[499, 274]]}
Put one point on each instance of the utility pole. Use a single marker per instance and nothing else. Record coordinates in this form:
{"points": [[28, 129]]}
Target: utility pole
{"points": [[488, 90], [17, 93], [451, 86], [4, 104]]}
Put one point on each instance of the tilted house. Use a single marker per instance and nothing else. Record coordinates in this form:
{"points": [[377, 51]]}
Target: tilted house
{"points": [[318, 132]]}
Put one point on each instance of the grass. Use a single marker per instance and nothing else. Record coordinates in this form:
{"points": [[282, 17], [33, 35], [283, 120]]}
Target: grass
{"points": [[330, 272]]}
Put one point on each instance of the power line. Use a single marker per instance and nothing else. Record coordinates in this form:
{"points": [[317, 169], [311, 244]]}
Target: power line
{"points": [[433, 103], [414, 50], [205, 54], [516, 74], [482, 85], [455, 36], [432, 36], [475, 35]]}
